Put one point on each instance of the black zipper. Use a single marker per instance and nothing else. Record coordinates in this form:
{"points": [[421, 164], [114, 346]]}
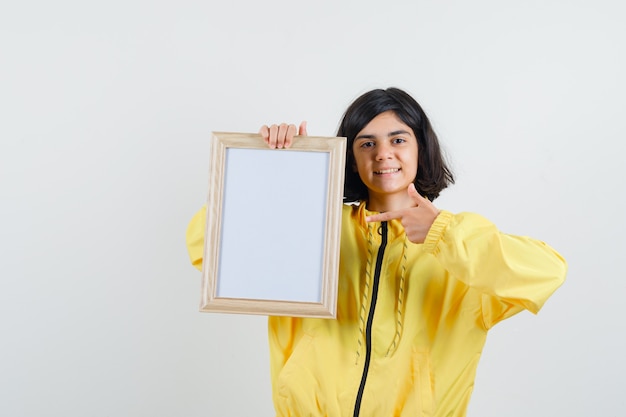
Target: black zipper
{"points": [[370, 318]]}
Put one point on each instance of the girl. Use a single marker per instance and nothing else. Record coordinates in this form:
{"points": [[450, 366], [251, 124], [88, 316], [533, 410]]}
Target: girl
{"points": [[419, 287]]}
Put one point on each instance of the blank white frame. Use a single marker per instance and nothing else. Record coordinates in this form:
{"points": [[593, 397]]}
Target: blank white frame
{"points": [[273, 226]]}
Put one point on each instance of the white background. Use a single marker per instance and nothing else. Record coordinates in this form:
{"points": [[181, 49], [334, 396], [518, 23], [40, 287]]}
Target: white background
{"points": [[106, 110], [265, 180]]}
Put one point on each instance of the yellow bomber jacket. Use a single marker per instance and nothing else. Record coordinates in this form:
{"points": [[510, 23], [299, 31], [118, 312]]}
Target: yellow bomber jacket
{"points": [[412, 319]]}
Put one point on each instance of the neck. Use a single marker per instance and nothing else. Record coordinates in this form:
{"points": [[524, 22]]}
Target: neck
{"points": [[386, 202]]}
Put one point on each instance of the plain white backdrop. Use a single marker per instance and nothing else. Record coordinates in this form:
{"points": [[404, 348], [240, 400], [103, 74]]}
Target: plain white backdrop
{"points": [[106, 110]]}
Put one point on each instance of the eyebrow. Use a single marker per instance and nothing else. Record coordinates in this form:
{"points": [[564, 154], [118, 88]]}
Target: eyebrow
{"points": [[394, 133]]}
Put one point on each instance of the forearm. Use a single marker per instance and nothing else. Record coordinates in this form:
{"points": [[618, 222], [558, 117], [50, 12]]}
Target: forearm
{"points": [[518, 270], [195, 238]]}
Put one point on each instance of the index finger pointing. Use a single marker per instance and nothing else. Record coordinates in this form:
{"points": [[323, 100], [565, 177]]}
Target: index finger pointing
{"points": [[383, 217]]}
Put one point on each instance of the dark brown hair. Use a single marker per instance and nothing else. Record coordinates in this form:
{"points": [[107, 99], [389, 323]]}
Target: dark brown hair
{"points": [[433, 175]]}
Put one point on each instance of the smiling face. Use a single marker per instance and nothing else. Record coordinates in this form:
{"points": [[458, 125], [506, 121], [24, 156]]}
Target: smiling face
{"points": [[385, 153]]}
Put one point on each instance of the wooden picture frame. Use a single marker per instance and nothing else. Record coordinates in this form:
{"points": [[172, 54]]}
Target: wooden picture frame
{"points": [[273, 226]]}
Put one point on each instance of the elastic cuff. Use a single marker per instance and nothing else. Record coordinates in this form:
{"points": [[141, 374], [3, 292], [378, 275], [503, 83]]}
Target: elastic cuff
{"points": [[436, 231]]}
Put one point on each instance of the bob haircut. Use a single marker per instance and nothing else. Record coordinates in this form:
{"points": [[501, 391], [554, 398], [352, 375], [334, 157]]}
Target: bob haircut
{"points": [[433, 175]]}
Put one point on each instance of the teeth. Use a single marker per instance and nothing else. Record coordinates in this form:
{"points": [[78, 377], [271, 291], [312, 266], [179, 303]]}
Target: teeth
{"points": [[388, 171]]}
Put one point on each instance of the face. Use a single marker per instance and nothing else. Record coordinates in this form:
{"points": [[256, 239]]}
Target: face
{"points": [[385, 152]]}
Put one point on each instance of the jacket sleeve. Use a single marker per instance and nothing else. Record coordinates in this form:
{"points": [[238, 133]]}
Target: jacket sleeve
{"points": [[195, 237], [511, 272]]}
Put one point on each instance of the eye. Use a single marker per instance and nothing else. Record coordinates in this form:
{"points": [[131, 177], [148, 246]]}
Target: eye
{"points": [[398, 140], [367, 144]]}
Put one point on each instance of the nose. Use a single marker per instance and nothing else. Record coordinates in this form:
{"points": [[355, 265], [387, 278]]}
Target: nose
{"points": [[383, 151]]}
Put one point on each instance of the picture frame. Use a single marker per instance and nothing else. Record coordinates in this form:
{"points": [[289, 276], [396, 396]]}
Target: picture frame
{"points": [[273, 226]]}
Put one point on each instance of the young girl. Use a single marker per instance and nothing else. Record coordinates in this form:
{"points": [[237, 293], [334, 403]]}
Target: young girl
{"points": [[419, 287]]}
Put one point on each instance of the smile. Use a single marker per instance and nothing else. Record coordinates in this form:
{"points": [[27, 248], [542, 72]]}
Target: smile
{"points": [[387, 171]]}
